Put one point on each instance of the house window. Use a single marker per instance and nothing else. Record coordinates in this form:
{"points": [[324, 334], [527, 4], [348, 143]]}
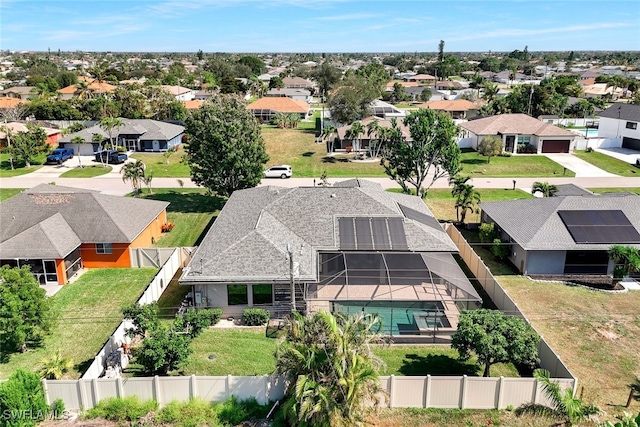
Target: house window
{"points": [[103, 248], [262, 294], [524, 140], [632, 125], [237, 295]]}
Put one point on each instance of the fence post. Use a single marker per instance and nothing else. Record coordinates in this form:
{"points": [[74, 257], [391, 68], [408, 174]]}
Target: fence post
{"points": [[463, 392], [229, 381], [81, 394], [156, 389], [535, 391], [94, 389], [267, 389], [392, 382], [427, 392], [194, 389], [46, 391], [500, 393], [119, 388]]}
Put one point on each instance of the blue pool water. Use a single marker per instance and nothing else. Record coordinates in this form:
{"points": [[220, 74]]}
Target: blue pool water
{"points": [[588, 132]]}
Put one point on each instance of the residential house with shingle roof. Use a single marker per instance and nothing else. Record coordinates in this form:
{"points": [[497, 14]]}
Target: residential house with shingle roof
{"points": [[364, 140], [456, 108], [566, 235], [20, 92], [179, 92], [57, 230], [134, 135], [350, 248], [297, 83], [519, 133], [620, 124], [264, 109]]}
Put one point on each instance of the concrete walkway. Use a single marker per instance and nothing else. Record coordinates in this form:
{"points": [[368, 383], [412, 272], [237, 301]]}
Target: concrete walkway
{"points": [[581, 168], [625, 154]]}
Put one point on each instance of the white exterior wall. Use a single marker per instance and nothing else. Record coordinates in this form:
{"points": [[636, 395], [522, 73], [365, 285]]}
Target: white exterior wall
{"points": [[614, 129]]}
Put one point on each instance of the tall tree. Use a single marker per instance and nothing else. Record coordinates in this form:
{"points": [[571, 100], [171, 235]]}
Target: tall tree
{"points": [[490, 146], [432, 149], [495, 338], [326, 77], [111, 125], [328, 133], [466, 196], [134, 173], [27, 145], [352, 101], [332, 370], [25, 312], [225, 149], [354, 133]]}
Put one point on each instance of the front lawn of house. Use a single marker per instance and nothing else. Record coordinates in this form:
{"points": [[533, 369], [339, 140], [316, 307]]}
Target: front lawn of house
{"points": [[156, 163], [19, 166], [608, 163], [475, 165], [86, 171], [6, 193], [191, 210], [596, 334], [442, 203], [87, 313]]}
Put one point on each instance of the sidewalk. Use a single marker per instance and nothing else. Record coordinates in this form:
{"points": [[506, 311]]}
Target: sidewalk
{"points": [[578, 166]]}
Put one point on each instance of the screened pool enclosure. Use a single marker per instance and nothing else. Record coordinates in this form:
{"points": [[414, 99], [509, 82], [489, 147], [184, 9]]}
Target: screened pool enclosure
{"points": [[412, 293]]}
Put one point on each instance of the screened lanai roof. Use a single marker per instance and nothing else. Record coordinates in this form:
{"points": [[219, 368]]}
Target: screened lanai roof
{"points": [[391, 277]]}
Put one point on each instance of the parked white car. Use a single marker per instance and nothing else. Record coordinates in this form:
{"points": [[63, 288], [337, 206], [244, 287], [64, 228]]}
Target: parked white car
{"points": [[278, 171]]}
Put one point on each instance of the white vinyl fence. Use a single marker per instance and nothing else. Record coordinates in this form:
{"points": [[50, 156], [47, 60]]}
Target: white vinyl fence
{"points": [[178, 258], [398, 392]]}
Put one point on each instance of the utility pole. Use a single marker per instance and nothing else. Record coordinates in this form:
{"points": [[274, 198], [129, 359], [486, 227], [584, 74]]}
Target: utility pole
{"points": [[6, 129], [291, 279]]}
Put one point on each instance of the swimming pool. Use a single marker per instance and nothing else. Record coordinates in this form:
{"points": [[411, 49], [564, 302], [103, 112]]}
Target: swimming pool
{"points": [[589, 133]]}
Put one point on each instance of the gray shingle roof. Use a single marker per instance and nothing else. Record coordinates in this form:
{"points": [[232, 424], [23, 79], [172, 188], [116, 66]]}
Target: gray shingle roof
{"points": [[248, 240], [147, 129], [535, 224], [623, 112], [52, 220]]}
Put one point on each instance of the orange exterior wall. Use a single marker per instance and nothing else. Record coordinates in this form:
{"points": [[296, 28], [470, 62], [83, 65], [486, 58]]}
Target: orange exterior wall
{"points": [[62, 276], [119, 256], [52, 140]]}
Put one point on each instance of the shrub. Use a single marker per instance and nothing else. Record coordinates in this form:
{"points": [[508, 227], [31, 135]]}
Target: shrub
{"points": [[215, 314], [167, 227], [22, 401], [487, 232], [499, 250], [122, 409], [194, 321], [589, 150], [233, 412], [505, 154], [196, 412], [255, 316]]}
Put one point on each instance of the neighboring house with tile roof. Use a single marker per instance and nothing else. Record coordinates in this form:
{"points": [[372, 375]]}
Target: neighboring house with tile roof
{"points": [[57, 230], [53, 135], [179, 92], [264, 109], [425, 79], [8, 102], [456, 108], [354, 247], [620, 123], [545, 239], [518, 131], [135, 135]]}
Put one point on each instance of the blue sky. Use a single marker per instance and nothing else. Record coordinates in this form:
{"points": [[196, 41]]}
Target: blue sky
{"points": [[318, 25]]}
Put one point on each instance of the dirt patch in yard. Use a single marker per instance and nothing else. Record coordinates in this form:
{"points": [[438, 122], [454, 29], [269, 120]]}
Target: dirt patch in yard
{"points": [[600, 282]]}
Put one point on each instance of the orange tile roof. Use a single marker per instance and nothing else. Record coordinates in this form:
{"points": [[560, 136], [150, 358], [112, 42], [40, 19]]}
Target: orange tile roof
{"points": [[450, 105], [520, 124], [69, 89], [101, 87], [7, 102], [280, 105], [193, 104]]}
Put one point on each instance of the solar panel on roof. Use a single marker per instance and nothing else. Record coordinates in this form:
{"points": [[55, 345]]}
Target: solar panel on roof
{"points": [[396, 231], [346, 233], [364, 238], [372, 233], [380, 233], [599, 226]]}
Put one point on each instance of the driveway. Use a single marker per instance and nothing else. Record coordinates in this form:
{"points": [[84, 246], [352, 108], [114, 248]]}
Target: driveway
{"points": [[581, 168], [625, 154]]}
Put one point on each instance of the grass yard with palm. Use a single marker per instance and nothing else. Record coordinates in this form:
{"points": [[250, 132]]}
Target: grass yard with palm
{"points": [[86, 171], [608, 163], [474, 165], [19, 167], [191, 210], [87, 313], [156, 163]]}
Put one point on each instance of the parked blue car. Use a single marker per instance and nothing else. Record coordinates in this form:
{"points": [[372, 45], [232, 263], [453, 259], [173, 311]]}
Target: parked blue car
{"points": [[59, 155]]}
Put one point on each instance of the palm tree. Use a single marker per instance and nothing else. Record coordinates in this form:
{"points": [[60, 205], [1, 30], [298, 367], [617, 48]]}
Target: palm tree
{"points": [[354, 133], [108, 124], [82, 90], [547, 190], [329, 130], [332, 370], [467, 197], [147, 178], [626, 260], [374, 131], [134, 172], [55, 366], [564, 404], [476, 82], [490, 91]]}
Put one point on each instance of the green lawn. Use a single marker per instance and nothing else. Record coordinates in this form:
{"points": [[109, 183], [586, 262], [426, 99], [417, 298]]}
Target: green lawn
{"points": [[157, 163], [517, 166], [191, 210], [88, 311], [297, 148], [246, 351], [171, 298], [615, 190], [19, 166], [6, 193], [608, 163], [86, 172], [442, 203]]}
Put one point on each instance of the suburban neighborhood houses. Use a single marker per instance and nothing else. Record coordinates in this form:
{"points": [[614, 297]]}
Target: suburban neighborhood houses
{"points": [[438, 237]]}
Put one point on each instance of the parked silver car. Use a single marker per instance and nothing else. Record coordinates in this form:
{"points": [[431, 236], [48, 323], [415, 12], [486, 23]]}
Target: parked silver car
{"points": [[278, 171]]}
